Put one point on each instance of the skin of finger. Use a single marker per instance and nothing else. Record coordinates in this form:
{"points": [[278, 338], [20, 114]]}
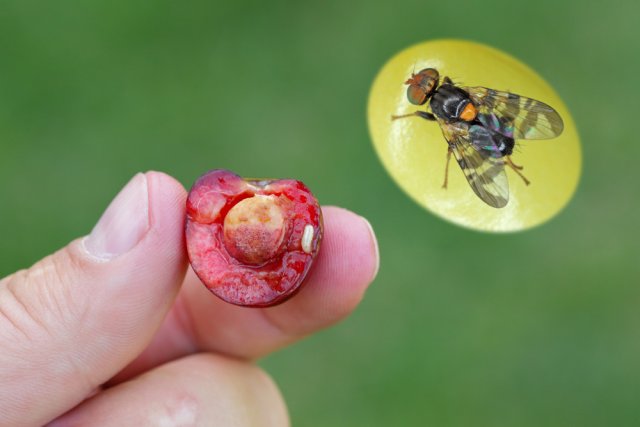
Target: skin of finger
{"points": [[346, 265], [198, 390], [75, 321]]}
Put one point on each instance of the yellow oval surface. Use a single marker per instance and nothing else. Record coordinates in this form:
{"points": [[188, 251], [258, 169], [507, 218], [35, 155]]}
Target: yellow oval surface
{"points": [[413, 150]]}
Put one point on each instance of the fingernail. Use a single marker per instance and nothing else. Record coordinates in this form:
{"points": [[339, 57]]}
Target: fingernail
{"points": [[123, 224], [374, 247]]}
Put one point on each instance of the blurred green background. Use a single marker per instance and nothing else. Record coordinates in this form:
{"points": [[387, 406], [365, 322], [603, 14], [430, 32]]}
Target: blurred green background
{"points": [[540, 328]]}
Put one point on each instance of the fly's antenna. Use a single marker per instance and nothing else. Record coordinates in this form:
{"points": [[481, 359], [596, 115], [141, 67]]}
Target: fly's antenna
{"points": [[456, 80], [413, 73]]}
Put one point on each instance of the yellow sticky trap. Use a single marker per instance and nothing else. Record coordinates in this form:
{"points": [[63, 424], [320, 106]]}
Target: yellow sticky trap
{"points": [[414, 151]]}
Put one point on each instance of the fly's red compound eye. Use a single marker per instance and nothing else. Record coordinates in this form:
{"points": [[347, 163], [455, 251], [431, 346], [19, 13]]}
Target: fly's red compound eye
{"points": [[416, 94], [422, 85], [429, 74]]}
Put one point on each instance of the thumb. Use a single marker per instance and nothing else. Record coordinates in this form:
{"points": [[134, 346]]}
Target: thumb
{"points": [[77, 317]]}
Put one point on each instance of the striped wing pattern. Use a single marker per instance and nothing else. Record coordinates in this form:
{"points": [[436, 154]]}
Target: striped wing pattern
{"points": [[515, 116], [485, 174]]}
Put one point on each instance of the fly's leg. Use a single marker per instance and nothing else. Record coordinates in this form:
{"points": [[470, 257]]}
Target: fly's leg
{"points": [[513, 165], [516, 169], [423, 114], [446, 168]]}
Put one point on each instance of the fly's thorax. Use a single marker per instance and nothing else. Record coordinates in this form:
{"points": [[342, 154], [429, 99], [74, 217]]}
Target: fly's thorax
{"points": [[449, 102]]}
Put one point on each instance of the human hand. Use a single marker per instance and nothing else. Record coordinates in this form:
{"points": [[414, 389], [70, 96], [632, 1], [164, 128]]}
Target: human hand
{"points": [[113, 329]]}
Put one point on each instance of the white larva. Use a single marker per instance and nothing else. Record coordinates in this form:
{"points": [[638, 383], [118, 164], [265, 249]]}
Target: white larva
{"points": [[307, 238]]}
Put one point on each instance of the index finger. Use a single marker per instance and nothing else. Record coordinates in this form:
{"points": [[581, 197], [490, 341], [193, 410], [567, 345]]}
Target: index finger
{"points": [[347, 263]]}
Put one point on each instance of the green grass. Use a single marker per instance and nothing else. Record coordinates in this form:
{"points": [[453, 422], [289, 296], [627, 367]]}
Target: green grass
{"points": [[460, 329]]}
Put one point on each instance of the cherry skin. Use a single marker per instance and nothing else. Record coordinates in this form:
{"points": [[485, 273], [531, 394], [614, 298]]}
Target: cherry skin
{"points": [[252, 242]]}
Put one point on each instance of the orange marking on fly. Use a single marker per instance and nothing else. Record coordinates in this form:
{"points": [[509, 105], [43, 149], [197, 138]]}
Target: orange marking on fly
{"points": [[469, 112]]}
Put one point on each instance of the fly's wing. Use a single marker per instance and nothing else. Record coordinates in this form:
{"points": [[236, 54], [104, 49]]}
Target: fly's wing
{"points": [[515, 116], [485, 173]]}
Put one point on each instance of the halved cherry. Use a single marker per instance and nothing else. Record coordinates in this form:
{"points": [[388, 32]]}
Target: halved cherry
{"points": [[251, 242]]}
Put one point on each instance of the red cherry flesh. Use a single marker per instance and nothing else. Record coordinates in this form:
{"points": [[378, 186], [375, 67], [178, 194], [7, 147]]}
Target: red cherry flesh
{"points": [[252, 242]]}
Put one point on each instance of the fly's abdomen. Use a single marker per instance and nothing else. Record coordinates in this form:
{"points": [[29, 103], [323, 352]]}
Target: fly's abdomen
{"points": [[489, 142]]}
